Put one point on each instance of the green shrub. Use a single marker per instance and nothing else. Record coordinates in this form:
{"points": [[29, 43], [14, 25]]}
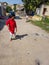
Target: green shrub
{"points": [[8, 8]]}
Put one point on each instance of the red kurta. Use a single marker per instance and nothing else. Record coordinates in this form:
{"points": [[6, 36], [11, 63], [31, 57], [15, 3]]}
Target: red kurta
{"points": [[12, 25]]}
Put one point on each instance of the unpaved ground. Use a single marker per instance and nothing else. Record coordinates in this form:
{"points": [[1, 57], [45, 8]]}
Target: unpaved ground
{"points": [[30, 48]]}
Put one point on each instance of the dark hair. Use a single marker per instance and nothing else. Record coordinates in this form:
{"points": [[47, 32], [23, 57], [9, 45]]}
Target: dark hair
{"points": [[11, 15]]}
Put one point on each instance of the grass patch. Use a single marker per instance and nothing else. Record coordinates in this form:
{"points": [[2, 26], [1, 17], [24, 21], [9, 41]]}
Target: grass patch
{"points": [[44, 24]]}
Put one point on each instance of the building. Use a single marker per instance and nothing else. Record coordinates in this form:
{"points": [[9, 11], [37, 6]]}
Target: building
{"points": [[21, 10], [43, 10]]}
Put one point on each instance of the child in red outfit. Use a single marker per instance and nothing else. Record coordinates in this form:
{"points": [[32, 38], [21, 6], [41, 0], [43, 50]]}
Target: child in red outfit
{"points": [[12, 26]]}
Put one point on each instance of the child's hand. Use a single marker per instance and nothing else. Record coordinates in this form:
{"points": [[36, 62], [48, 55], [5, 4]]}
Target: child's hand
{"points": [[8, 27]]}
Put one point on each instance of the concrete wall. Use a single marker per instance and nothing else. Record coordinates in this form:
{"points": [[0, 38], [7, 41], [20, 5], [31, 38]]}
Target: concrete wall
{"points": [[40, 10]]}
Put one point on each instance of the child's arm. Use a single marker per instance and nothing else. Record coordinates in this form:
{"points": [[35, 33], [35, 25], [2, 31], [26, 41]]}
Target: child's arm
{"points": [[16, 28], [7, 23]]}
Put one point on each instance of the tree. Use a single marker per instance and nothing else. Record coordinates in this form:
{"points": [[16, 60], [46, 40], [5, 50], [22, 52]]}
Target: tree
{"points": [[8, 8], [15, 7], [31, 5]]}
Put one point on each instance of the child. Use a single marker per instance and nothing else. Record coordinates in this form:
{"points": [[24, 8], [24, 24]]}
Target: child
{"points": [[11, 26]]}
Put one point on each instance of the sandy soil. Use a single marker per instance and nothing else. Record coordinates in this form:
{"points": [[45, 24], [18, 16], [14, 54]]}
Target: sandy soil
{"points": [[31, 46]]}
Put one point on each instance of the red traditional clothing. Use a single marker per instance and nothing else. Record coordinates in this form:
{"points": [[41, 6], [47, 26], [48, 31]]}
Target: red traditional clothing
{"points": [[12, 25]]}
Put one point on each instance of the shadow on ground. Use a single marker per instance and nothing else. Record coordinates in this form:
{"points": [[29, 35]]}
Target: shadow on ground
{"points": [[2, 23], [20, 36]]}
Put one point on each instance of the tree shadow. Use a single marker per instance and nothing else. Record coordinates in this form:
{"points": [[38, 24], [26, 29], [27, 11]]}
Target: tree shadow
{"points": [[2, 23], [20, 36]]}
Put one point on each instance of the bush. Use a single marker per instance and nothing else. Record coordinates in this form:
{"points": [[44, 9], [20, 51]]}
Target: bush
{"points": [[8, 8]]}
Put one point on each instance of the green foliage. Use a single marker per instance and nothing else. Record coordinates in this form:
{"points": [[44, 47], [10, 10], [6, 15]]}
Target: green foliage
{"points": [[15, 7], [8, 8], [33, 4]]}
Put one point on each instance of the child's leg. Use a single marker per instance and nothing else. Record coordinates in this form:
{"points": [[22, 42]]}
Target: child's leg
{"points": [[11, 35]]}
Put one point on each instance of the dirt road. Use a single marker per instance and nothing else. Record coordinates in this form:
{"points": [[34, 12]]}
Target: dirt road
{"points": [[30, 48]]}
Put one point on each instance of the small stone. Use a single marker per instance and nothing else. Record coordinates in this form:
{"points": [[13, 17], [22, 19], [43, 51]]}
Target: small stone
{"points": [[36, 34], [35, 39]]}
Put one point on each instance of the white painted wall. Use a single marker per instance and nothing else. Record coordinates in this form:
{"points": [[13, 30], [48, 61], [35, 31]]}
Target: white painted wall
{"points": [[40, 10]]}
